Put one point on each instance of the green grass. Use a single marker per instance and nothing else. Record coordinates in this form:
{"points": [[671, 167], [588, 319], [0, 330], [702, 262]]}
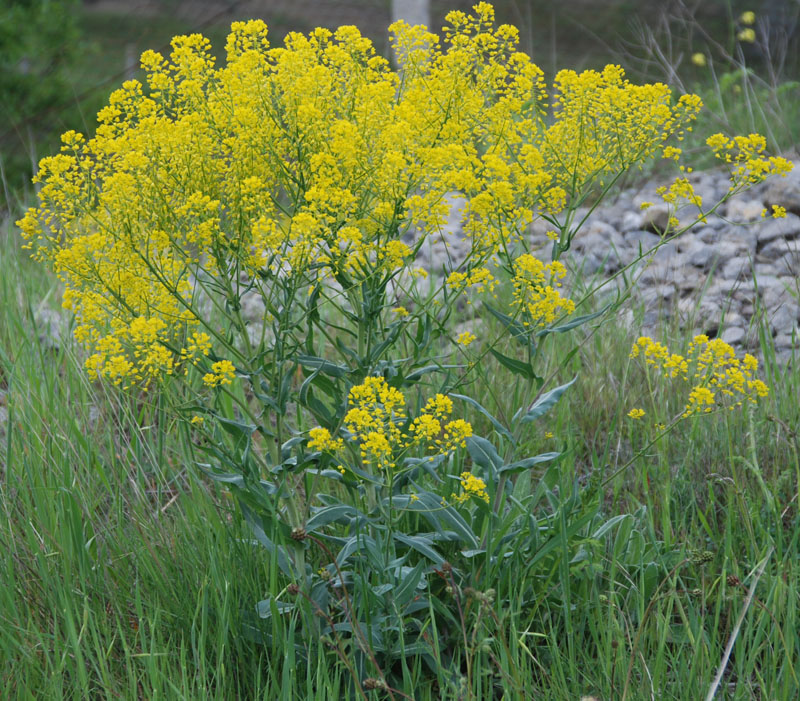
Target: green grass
{"points": [[125, 575]]}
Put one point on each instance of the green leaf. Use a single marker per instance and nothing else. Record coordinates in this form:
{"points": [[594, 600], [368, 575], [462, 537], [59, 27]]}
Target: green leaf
{"points": [[357, 542], [391, 338], [608, 525], [422, 545], [518, 367], [502, 430], [423, 335], [272, 607], [258, 531], [329, 368], [419, 373], [545, 402], [484, 454], [238, 429], [559, 538], [340, 513], [573, 323], [408, 587], [518, 330], [429, 505], [528, 463]]}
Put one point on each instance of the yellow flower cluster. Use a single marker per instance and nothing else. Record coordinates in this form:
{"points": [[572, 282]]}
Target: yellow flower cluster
{"points": [[320, 439], [378, 422], [481, 279], [778, 212], [465, 338], [747, 161], [222, 373], [313, 159], [472, 486], [536, 291], [717, 376]]}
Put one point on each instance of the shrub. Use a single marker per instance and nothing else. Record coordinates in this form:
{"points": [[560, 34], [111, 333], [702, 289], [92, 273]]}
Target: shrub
{"points": [[308, 178]]}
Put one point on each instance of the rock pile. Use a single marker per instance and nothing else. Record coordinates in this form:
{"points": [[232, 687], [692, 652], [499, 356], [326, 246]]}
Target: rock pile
{"points": [[722, 277]]}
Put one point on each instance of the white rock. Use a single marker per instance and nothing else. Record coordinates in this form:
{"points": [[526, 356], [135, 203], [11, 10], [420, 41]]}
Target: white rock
{"points": [[788, 227], [741, 210], [733, 335], [785, 191]]}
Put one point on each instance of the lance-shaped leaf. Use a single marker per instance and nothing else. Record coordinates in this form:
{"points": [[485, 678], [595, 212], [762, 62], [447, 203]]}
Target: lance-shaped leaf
{"points": [[545, 402]]}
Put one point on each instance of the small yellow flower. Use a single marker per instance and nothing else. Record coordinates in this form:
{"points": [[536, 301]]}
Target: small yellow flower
{"points": [[660, 427], [748, 35], [222, 373], [699, 59], [400, 311], [778, 212], [465, 338], [473, 487], [748, 17], [636, 413], [548, 434], [197, 420], [552, 235], [320, 439], [645, 205], [700, 399]]}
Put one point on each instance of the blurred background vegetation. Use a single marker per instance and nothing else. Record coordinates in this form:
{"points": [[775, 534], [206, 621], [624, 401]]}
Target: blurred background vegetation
{"points": [[59, 59]]}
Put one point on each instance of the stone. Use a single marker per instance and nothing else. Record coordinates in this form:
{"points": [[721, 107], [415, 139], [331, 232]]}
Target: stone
{"points": [[773, 250], [785, 191], [699, 255], [736, 269], [631, 221], [659, 295], [784, 319], [51, 327], [741, 210], [708, 234], [788, 264], [656, 218], [714, 221], [787, 227], [637, 237], [773, 295], [733, 335], [668, 253]]}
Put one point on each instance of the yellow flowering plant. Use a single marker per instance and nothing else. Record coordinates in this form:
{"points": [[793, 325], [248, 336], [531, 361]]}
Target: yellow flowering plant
{"points": [[243, 240]]}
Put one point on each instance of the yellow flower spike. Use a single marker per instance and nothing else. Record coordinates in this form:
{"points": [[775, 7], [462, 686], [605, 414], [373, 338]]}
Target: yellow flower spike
{"points": [[747, 17], [778, 212], [636, 413]]}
